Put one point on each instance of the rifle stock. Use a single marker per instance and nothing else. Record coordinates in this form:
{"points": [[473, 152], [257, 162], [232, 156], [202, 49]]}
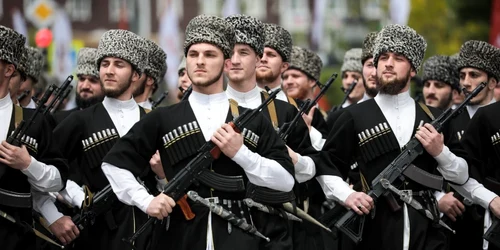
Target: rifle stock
{"points": [[492, 235], [396, 169], [209, 152]]}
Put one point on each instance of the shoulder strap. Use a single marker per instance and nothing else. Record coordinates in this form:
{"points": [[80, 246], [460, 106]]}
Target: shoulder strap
{"points": [[272, 111], [18, 110], [426, 110], [292, 101], [147, 110], [234, 108]]}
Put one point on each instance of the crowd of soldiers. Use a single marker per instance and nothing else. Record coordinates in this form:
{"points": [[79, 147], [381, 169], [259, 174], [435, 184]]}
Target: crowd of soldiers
{"points": [[93, 176]]}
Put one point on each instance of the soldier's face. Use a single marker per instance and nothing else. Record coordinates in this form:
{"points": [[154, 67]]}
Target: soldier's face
{"points": [[348, 78], [15, 83], [242, 65], [437, 94], [297, 85], [204, 64], [370, 77], [183, 82], [271, 66], [117, 76], [89, 86], [470, 78], [394, 72]]}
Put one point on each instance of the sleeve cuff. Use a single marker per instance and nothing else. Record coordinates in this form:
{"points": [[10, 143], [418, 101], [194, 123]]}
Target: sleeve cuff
{"points": [[244, 158], [446, 157], [161, 183], [439, 195], [483, 197], [335, 188], [317, 140], [143, 202], [301, 164], [35, 170]]}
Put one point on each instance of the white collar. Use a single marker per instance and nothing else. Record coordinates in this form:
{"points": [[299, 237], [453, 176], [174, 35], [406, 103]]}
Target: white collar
{"points": [[207, 99], [471, 109], [116, 104], [5, 101], [399, 100], [243, 96]]}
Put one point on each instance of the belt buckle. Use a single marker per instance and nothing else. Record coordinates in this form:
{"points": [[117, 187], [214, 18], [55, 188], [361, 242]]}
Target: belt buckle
{"points": [[213, 200]]}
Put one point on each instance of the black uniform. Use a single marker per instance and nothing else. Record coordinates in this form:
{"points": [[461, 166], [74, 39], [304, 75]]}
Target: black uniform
{"points": [[134, 150], [42, 148], [111, 227]]}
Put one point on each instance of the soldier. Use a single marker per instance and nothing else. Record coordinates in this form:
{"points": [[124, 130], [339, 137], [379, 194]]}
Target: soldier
{"points": [[33, 167], [183, 82], [440, 83], [34, 67], [89, 90], [398, 53], [86, 136], [154, 72], [478, 62], [369, 71], [259, 157]]}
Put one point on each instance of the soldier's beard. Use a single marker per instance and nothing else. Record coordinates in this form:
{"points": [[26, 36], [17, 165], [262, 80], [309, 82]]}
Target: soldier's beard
{"points": [[122, 87], [267, 76], [83, 103], [392, 87]]}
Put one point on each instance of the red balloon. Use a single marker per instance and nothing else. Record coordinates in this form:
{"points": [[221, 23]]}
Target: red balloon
{"points": [[43, 38]]}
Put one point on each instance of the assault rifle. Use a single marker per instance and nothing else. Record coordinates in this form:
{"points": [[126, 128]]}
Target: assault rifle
{"points": [[186, 93], [61, 100], [492, 235], [209, 152], [287, 128], [100, 203], [346, 95], [157, 102], [382, 184]]}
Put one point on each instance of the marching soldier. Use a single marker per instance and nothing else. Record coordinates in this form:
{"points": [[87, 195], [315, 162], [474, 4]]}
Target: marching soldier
{"points": [[477, 62], [183, 82], [398, 54], [34, 66], [86, 136], [369, 71], [35, 166], [258, 156], [89, 90], [440, 83], [148, 83]]}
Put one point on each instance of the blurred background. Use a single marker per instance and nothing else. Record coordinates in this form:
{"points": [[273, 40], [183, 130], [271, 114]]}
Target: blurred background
{"points": [[329, 27]]}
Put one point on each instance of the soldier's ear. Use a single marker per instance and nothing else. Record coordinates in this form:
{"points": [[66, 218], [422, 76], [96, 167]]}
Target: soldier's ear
{"points": [[492, 82], [284, 67]]}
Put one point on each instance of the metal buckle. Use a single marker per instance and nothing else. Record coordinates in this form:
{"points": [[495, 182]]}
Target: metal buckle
{"points": [[214, 200]]}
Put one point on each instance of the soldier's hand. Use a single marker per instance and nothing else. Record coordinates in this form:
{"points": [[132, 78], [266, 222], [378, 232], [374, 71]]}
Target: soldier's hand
{"points": [[495, 206], [65, 230], [451, 206], [14, 157], [156, 165], [359, 202], [227, 140], [432, 141], [309, 117], [293, 155], [161, 206]]}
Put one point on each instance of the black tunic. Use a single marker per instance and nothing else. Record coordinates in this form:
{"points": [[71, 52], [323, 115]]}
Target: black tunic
{"points": [[482, 150], [134, 150], [111, 227], [11, 237], [342, 148]]}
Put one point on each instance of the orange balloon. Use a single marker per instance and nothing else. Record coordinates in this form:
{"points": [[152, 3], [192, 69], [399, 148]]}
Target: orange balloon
{"points": [[43, 38]]}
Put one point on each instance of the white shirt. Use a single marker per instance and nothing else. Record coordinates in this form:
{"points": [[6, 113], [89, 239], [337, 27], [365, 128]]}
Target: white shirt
{"points": [[472, 109], [6, 108], [211, 112], [31, 104], [399, 110], [305, 168], [281, 95], [365, 98], [146, 104], [124, 115]]}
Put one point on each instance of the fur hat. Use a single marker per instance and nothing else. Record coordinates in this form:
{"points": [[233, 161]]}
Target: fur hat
{"points": [[11, 46], [249, 30], [85, 64], [157, 64], [403, 40], [125, 45], [306, 61], [279, 39], [480, 55], [34, 63], [352, 61], [368, 44], [182, 65], [439, 68], [210, 29]]}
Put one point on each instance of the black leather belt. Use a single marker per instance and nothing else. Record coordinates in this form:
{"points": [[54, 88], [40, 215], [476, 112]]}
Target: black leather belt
{"points": [[222, 182], [15, 199], [268, 196]]}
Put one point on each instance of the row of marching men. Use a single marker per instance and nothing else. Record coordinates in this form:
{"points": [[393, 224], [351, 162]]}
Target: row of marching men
{"points": [[121, 155]]}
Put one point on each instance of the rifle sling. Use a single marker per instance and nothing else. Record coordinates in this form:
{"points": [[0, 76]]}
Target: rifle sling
{"points": [[272, 111]]}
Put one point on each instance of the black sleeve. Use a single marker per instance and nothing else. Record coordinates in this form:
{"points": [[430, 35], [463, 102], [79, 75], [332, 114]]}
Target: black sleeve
{"points": [[339, 148], [271, 146], [134, 150], [319, 123], [68, 135], [48, 151], [332, 117]]}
